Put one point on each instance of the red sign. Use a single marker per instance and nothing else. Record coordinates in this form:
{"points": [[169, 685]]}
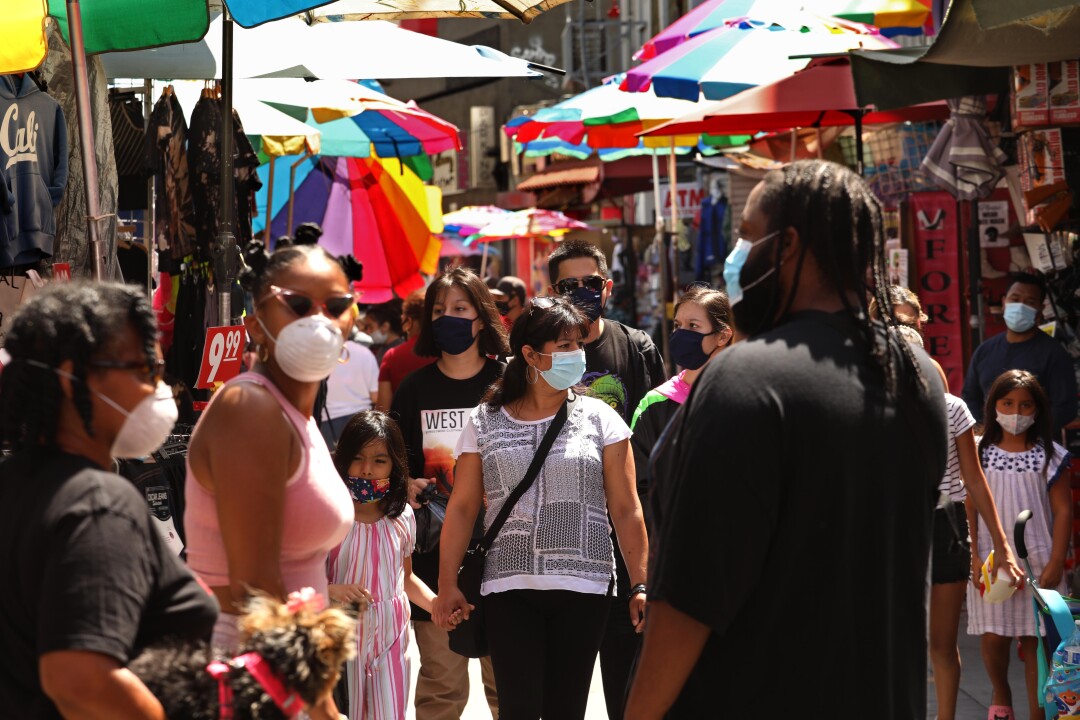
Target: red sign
{"points": [[61, 272], [221, 355], [937, 263]]}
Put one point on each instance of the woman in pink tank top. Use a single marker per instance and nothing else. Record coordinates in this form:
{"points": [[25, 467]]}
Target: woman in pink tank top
{"points": [[264, 501]]}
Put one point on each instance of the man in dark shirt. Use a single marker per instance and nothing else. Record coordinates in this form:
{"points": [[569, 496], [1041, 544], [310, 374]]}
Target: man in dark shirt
{"points": [[806, 462], [621, 365], [1023, 347]]}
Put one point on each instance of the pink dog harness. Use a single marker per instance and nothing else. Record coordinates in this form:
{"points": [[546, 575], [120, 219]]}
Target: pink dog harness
{"points": [[289, 702]]}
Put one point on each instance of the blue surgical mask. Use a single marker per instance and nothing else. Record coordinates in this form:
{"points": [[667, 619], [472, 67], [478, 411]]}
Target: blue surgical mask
{"points": [[567, 369], [367, 490], [1020, 317], [590, 302], [453, 335], [733, 267], [686, 349]]}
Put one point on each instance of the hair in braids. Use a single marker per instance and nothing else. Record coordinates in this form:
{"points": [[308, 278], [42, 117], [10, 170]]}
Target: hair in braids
{"points": [[77, 322], [264, 270], [839, 221]]}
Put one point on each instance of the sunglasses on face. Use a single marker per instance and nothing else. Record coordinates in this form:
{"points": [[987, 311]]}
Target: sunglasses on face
{"points": [[569, 285], [300, 304], [150, 371]]}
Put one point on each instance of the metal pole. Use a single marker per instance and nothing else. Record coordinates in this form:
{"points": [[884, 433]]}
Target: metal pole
{"points": [[859, 162], [151, 199], [270, 203], [977, 320], [86, 138], [226, 239], [292, 188]]}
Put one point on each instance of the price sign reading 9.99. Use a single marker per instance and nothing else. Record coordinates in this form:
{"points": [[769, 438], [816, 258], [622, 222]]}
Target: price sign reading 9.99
{"points": [[221, 355]]}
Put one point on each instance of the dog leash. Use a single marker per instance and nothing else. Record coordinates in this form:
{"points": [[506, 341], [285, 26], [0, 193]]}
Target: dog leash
{"points": [[287, 701]]}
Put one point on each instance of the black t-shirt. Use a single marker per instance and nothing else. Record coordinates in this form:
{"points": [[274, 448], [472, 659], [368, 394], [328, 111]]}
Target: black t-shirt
{"points": [[621, 366], [84, 570], [813, 492], [432, 409]]}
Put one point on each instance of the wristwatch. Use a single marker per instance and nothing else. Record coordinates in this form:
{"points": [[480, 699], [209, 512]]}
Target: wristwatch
{"points": [[638, 589]]}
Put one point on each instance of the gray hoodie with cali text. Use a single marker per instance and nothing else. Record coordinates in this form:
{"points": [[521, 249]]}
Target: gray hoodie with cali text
{"points": [[33, 170]]}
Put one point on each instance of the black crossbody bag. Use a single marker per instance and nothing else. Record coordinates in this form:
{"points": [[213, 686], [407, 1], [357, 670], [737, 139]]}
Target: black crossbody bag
{"points": [[470, 638]]}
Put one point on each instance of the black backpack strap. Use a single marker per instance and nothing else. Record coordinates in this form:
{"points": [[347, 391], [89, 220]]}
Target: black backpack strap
{"points": [[530, 475]]}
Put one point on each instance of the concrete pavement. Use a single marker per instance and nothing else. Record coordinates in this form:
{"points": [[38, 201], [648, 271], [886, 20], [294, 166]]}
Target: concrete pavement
{"points": [[973, 701]]}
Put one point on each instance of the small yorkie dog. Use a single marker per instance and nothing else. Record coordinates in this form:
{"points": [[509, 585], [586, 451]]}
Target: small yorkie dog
{"points": [[290, 658]]}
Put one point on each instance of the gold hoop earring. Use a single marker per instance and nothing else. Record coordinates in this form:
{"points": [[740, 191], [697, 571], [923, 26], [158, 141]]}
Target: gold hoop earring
{"points": [[531, 379], [343, 356], [263, 353]]}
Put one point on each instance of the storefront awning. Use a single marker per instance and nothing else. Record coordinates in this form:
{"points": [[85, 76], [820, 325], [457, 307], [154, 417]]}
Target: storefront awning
{"points": [[978, 42], [562, 177]]}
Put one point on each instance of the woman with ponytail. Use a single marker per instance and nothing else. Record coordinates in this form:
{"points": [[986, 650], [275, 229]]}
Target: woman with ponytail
{"points": [[264, 501]]}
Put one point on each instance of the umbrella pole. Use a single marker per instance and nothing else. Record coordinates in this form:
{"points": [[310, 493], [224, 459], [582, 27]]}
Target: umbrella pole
{"points": [[269, 203], [483, 261], [794, 144], [859, 160], [820, 152], [292, 188], [658, 213], [86, 138], [227, 258]]}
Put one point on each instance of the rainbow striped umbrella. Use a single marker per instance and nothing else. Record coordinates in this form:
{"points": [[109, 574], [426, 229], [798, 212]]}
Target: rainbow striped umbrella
{"points": [[892, 17], [747, 52], [376, 209]]}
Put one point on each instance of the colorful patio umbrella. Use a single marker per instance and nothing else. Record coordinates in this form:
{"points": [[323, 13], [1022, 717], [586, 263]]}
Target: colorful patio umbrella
{"points": [[524, 10], [292, 48], [603, 117], [22, 35], [747, 52], [532, 222], [820, 96], [355, 120], [373, 208], [892, 17], [470, 219]]}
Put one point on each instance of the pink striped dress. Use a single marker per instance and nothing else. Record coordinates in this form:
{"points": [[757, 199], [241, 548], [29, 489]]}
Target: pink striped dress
{"points": [[373, 556]]}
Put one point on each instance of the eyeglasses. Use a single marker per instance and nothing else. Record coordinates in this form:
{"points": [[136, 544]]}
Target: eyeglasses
{"points": [[300, 304], [149, 370], [595, 283]]}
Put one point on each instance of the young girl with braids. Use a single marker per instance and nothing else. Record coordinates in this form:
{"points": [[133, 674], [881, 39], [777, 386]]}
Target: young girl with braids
{"points": [[372, 568]]}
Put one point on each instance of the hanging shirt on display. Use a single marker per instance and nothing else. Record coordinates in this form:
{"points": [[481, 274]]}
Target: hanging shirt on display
{"points": [[712, 246], [166, 157], [34, 158]]}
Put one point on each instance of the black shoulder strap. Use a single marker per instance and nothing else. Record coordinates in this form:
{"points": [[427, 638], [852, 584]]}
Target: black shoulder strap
{"points": [[530, 475]]}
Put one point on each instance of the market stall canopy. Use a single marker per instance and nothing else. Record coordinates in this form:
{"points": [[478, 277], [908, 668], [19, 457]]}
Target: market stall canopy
{"points": [[292, 49], [977, 43], [820, 96], [355, 120], [530, 223], [22, 36], [471, 219], [603, 117], [747, 52], [524, 10], [892, 17]]}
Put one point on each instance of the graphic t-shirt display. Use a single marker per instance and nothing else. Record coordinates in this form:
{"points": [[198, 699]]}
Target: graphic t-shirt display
{"points": [[432, 410]]}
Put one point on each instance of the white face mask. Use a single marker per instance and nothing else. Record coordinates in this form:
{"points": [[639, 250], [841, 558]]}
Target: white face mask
{"points": [[1015, 424], [147, 426], [309, 348], [378, 337]]}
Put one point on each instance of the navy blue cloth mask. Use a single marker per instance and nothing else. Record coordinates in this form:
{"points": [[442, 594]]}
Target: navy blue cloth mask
{"points": [[453, 335], [366, 490], [686, 349], [589, 302]]}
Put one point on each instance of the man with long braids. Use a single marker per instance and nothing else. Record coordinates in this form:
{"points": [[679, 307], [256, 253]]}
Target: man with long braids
{"points": [[806, 462]]}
